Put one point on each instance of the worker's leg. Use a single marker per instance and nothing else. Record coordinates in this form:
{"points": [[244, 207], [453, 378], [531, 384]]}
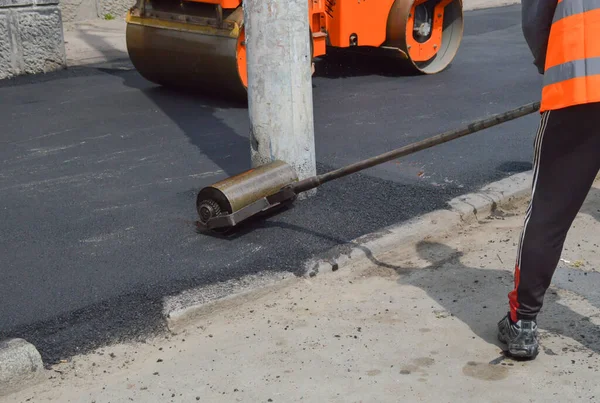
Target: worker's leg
{"points": [[566, 161]]}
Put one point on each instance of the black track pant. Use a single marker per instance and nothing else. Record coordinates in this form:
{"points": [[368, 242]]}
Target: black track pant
{"points": [[566, 162]]}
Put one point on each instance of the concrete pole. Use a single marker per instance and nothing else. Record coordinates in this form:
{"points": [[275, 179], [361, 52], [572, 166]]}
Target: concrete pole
{"points": [[280, 99]]}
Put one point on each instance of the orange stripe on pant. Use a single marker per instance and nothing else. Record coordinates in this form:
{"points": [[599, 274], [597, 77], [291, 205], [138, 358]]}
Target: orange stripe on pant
{"points": [[571, 92], [574, 37]]}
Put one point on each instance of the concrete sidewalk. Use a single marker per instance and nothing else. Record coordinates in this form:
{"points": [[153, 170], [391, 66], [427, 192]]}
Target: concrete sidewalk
{"points": [[96, 43], [413, 324]]}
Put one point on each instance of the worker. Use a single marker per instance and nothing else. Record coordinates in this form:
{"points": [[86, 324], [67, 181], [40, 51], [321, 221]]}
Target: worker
{"points": [[563, 36]]}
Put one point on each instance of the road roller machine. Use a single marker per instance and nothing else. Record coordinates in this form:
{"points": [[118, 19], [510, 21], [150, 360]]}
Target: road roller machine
{"points": [[199, 44]]}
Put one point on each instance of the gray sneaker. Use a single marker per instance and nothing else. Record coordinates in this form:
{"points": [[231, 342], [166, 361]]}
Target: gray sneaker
{"points": [[521, 337]]}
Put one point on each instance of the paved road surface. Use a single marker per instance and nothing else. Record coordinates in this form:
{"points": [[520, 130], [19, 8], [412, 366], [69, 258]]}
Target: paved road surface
{"points": [[99, 171]]}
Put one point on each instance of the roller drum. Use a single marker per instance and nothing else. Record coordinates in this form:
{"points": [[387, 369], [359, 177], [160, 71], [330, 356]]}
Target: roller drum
{"points": [[427, 33], [187, 60], [239, 191]]}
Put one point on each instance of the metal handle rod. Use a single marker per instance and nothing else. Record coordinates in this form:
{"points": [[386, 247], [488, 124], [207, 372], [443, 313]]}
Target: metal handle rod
{"points": [[478, 125]]}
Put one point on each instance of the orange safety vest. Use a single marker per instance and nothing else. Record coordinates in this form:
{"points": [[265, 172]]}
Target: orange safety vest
{"points": [[572, 69]]}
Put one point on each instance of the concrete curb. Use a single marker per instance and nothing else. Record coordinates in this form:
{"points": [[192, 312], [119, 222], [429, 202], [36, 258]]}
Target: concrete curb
{"points": [[463, 210], [21, 366], [180, 311]]}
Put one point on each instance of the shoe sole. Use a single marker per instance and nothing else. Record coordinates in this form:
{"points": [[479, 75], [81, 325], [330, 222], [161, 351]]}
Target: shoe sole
{"points": [[520, 352], [528, 352]]}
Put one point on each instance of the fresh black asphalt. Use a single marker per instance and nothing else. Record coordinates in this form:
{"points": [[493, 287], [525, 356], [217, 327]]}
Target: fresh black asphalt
{"points": [[99, 170]]}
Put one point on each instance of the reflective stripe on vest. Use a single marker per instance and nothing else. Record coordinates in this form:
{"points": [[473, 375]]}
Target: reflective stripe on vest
{"points": [[573, 69], [572, 73], [567, 8]]}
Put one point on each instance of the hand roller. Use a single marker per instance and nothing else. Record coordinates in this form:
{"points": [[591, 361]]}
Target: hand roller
{"points": [[227, 203]]}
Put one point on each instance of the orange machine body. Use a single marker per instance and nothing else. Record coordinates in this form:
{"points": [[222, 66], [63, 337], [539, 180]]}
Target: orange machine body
{"points": [[343, 24], [201, 43]]}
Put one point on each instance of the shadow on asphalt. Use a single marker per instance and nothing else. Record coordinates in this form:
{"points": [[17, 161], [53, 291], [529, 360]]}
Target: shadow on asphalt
{"points": [[344, 63], [195, 116], [343, 246], [34, 79], [514, 167]]}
